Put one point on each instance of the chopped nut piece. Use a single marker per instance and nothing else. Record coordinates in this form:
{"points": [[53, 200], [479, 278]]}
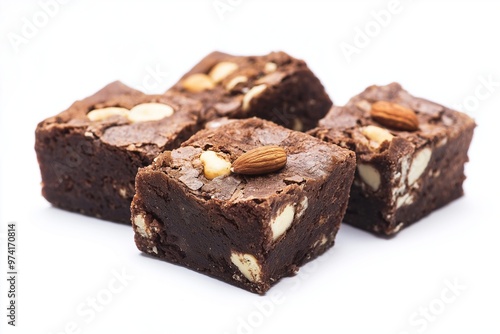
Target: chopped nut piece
{"points": [[298, 125], [248, 265], [282, 222], [222, 70], [197, 82], [270, 67], [140, 223], [376, 134], [105, 113], [252, 93], [369, 175], [149, 112], [214, 165], [419, 164], [235, 81]]}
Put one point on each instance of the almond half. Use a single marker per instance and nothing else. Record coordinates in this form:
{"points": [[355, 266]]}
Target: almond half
{"points": [[261, 160], [394, 116]]}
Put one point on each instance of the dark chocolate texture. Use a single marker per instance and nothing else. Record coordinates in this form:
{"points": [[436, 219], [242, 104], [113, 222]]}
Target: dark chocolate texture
{"points": [[249, 231], [284, 89], [399, 181], [89, 166]]}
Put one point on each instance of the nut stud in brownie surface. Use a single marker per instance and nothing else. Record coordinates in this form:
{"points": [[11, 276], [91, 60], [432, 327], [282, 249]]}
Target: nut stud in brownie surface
{"points": [[89, 154], [394, 116], [376, 135], [247, 230], [261, 160], [198, 82], [214, 165], [147, 112], [410, 155], [276, 87]]}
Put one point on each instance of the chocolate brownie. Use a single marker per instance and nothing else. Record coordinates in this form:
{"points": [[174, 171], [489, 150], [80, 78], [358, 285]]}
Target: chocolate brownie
{"points": [[90, 153], [410, 155], [275, 87], [254, 225]]}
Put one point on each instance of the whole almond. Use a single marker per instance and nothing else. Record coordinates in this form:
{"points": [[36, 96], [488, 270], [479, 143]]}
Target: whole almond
{"points": [[394, 116], [261, 160]]}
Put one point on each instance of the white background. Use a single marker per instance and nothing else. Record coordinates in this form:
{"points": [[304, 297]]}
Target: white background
{"points": [[441, 50]]}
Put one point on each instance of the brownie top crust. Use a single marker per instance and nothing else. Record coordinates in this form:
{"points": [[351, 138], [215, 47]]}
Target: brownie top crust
{"points": [[120, 126], [436, 122], [308, 159], [256, 70], [226, 84]]}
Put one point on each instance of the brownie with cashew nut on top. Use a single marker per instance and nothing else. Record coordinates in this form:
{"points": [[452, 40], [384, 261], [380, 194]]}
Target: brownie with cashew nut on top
{"points": [[410, 155], [247, 202], [90, 153], [275, 87]]}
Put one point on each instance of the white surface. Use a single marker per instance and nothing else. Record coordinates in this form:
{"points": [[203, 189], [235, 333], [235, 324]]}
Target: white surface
{"points": [[436, 49]]}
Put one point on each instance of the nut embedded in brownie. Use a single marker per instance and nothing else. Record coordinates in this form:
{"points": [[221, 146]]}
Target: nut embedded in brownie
{"points": [[410, 155], [90, 153], [247, 202], [276, 87]]}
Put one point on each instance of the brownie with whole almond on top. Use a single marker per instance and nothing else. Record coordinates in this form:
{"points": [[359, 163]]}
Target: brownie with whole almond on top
{"points": [[89, 154], [275, 87], [246, 202], [410, 155]]}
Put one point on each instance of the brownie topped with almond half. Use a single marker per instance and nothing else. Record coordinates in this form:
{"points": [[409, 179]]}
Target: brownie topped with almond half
{"points": [[410, 155], [275, 87], [247, 202]]}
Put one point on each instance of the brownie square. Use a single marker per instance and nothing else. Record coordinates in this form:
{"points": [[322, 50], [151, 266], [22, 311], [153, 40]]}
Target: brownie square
{"points": [[410, 155], [247, 230], [90, 153], [275, 87]]}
